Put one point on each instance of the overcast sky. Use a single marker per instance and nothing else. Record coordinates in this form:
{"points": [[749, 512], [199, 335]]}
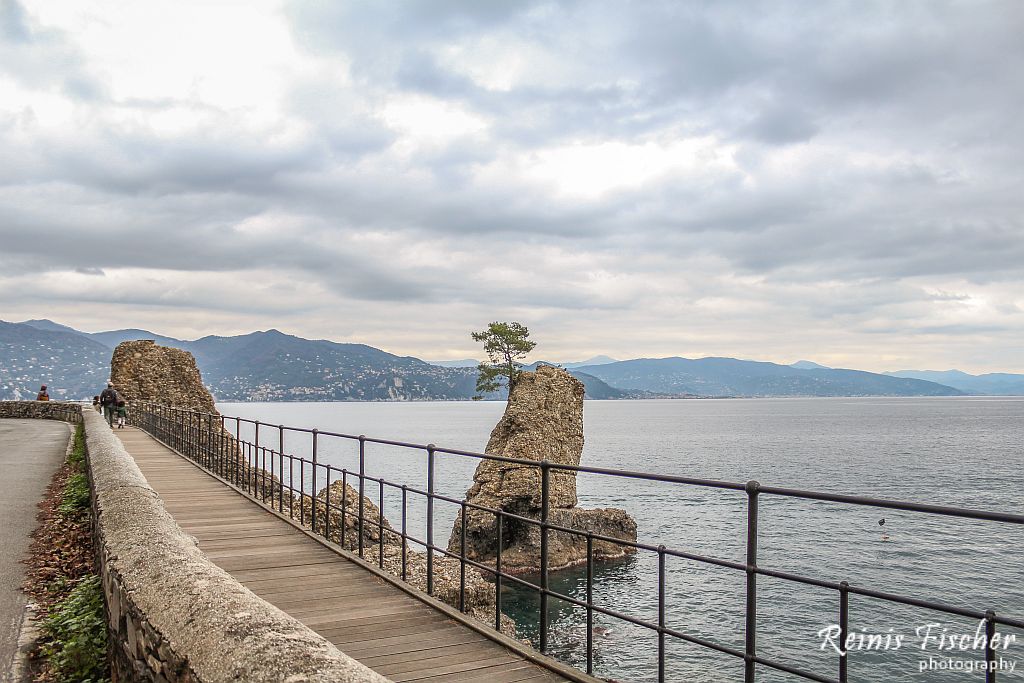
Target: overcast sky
{"points": [[841, 182]]}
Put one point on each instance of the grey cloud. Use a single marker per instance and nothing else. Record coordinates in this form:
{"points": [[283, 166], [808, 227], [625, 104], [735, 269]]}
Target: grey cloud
{"points": [[865, 146], [14, 22], [42, 58]]}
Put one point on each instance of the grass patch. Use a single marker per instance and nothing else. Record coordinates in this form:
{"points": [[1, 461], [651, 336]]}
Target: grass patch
{"points": [[77, 631], [76, 496], [77, 456], [75, 499]]}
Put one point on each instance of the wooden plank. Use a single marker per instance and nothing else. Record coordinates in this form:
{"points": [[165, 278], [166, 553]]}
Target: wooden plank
{"points": [[416, 671], [415, 645], [505, 673], [450, 632], [395, 657], [388, 616]]}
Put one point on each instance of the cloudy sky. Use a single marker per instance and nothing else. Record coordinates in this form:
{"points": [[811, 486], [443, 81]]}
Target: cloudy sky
{"points": [[835, 181]]}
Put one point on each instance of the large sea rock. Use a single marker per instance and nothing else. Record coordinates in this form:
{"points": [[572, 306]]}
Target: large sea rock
{"points": [[543, 420], [142, 370]]}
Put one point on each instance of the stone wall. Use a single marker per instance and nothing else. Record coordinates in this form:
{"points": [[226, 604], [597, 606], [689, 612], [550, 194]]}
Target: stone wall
{"points": [[173, 615], [41, 410]]}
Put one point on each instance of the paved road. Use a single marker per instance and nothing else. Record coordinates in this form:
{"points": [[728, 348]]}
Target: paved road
{"points": [[30, 452]]}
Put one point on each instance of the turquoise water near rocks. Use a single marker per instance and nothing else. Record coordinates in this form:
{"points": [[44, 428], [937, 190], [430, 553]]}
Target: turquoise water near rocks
{"points": [[954, 451]]}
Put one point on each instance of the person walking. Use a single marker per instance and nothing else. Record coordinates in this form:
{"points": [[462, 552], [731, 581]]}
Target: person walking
{"points": [[108, 401], [122, 413], [42, 395]]}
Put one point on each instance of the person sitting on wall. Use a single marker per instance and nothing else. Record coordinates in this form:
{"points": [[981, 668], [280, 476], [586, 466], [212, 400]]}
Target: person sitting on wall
{"points": [[96, 404], [42, 395], [108, 401]]}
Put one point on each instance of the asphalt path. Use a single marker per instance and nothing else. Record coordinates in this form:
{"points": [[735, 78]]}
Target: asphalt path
{"points": [[30, 452]]}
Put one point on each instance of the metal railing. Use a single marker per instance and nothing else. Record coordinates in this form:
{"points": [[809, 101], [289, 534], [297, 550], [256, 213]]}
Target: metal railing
{"points": [[204, 438]]}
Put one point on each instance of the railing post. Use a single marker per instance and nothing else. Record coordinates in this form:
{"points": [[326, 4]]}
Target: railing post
{"points": [[280, 448], [362, 473], [844, 630], [380, 522], [462, 563], [327, 505], [750, 649], [497, 575], [990, 651], [545, 486], [661, 614], [344, 504], [263, 467], [312, 492], [590, 603], [405, 492], [430, 519], [233, 463]]}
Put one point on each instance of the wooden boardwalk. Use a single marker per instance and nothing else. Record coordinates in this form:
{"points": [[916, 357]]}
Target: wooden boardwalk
{"points": [[371, 620]]}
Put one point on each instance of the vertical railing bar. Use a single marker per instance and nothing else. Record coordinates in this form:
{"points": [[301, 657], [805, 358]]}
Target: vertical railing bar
{"points": [[844, 630], [430, 519], [280, 448], [590, 603], [312, 491], [327, 501], [661, 614], [362, 473], [545, 487], [405, 491], [234, 460], [344, 504], [750, 626], [497, 572], [462, 561], [990, 652], [380, 522]]}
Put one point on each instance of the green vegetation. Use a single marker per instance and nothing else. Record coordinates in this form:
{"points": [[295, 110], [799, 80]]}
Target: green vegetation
{"points": [[75, 498], [505, 344], [77, 457], [77, 629], [75, 626]]}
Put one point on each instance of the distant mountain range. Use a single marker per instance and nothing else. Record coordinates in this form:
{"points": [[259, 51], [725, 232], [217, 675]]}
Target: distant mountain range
{"points": [[273, 366], [732, 377], [991, 384], [261, 366]]}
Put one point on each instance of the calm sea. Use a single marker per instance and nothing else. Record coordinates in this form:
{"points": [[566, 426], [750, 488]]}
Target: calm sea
{"points": [[952, 451]]}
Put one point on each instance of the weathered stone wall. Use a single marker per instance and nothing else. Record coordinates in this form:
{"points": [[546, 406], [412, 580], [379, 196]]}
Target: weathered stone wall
{"points": [[41, 410], [542, 421], [144, 371], [173, 615]]}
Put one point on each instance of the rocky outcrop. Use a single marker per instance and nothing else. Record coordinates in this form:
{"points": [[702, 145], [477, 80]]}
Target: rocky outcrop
{"points": [[144, 371], [339, 521], [542, 421]]}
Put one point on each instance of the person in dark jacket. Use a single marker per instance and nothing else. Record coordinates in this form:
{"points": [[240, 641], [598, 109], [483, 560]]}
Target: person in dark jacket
{"points": [[42, 395], [108, 401]]}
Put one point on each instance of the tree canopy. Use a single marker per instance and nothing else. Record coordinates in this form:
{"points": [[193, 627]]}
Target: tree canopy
{"points": [[505, 345]]}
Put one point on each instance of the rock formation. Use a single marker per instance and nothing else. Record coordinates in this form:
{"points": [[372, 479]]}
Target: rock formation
{"points": [[144, 371], [543, 421]]}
